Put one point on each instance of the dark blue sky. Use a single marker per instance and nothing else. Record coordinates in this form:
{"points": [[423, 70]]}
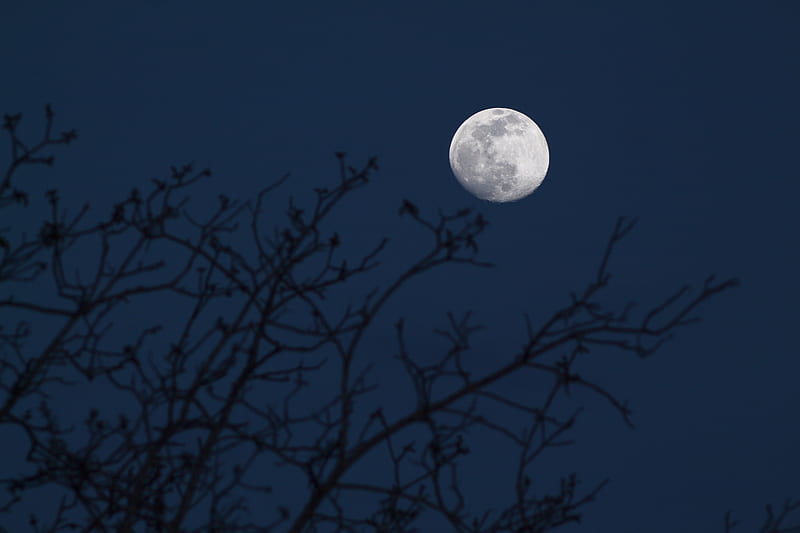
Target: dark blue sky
{"points": [[682, 112]]}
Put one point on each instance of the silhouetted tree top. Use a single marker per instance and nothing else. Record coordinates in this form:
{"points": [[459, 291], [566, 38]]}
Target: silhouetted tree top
{"points": [[260, 371]]}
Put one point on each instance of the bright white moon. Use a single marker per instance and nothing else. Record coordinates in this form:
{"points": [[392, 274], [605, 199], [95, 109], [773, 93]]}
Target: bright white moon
{"points": [[499, 155]]}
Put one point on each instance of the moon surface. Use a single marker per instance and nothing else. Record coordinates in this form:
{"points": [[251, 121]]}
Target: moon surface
{"points": [[499, 155]]}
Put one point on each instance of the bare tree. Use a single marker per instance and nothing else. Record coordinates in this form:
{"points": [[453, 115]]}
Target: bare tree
{"points": [[263, 374]]}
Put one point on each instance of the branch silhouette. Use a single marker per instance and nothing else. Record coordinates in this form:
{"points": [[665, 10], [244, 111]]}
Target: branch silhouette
{"points": [[222, 390]]}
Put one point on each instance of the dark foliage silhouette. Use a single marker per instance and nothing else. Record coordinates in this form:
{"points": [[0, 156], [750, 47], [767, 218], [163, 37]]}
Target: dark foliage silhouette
{"points": [[259, 372]]}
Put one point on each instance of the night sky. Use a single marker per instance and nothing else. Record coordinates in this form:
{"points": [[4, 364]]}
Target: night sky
{"points": [[684, 113]]}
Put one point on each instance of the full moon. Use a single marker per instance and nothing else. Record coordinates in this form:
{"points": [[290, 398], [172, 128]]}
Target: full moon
{"points": [[499, 155]]}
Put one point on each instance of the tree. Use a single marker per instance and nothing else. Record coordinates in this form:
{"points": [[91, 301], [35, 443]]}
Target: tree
{"points": [[222, 390]]}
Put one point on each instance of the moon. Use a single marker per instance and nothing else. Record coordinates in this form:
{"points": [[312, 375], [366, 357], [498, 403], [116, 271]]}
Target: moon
{"points": [[499, 155]]}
